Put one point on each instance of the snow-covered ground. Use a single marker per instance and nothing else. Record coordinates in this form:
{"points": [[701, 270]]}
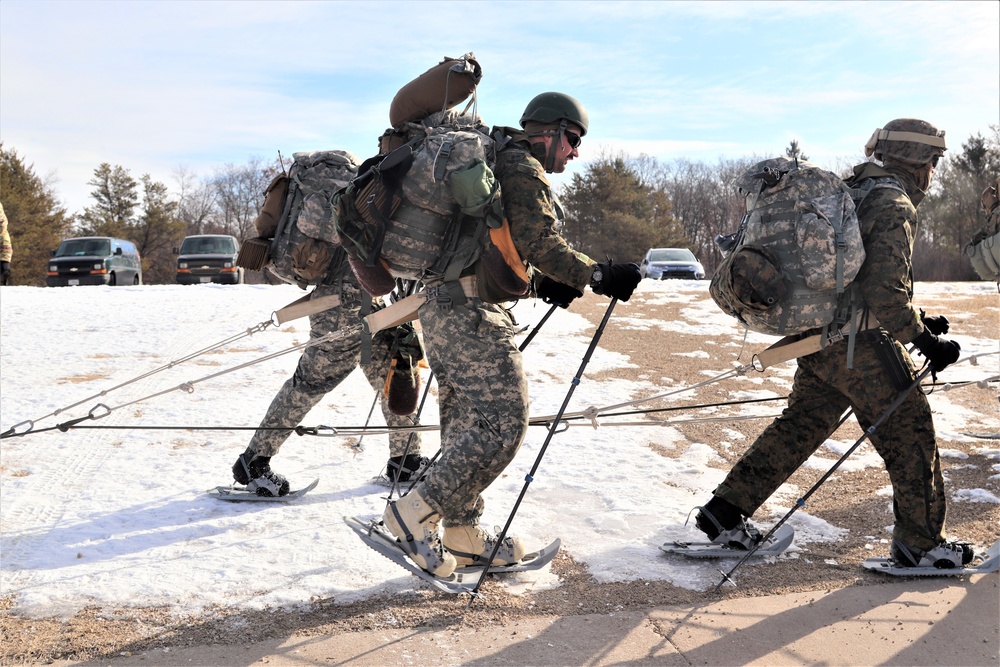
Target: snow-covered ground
{"points": [[119, 516]]}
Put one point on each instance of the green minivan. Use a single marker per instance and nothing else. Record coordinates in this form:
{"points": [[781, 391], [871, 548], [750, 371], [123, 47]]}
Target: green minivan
{"points": [[94, 260]]}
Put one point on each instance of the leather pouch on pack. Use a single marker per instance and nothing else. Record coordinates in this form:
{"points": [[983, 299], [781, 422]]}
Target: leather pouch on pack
{"points": [[373, 205], [311, 260], [500, 273], [274, 201], [254, 254]]}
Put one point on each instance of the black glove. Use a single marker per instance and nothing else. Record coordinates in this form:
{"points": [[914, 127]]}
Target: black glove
{"points": [[936, 324], [940, 352], [5, 272], [554, 292], [616, 280]]}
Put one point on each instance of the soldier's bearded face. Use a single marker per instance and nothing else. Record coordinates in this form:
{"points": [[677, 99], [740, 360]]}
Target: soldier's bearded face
{"points": [[564, 150]]}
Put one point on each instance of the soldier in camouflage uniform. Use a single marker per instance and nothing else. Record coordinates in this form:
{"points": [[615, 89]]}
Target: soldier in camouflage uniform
{"points": [[984, 249], [824, 386], [320, 370], [483, 393]]}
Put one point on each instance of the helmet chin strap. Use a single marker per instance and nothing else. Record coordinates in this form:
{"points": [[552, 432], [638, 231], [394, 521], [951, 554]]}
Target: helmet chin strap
{"points": [[550, 157]]}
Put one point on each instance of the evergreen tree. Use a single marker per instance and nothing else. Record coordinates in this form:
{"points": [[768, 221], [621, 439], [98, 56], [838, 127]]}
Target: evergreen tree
{"points": [[36, 220], [116, 195], [793, 152], [953, 212], [156, 232], [612, 212]]}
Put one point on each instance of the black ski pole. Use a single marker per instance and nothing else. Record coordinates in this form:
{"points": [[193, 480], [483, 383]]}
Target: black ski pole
{"points": [[801, 502], [527, 339], [529, 478]]}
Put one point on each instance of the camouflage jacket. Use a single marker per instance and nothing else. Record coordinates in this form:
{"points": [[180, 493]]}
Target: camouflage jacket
{"points": [[530, 209], [888, 226]]}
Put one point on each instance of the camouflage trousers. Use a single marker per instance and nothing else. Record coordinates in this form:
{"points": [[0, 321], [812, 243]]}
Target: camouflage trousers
{"points": [[483, 403], [823, 389], [323, 367]]}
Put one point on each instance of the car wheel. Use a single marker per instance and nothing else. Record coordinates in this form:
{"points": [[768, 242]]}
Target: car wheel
{"points": [[135, 279], [112, 280]]}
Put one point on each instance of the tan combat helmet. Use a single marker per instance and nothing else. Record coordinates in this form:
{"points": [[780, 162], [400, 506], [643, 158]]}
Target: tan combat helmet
{"points": [[908, 141]]}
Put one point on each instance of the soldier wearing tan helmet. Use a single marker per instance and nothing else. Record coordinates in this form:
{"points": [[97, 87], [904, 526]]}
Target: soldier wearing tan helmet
{"points": [[984, 249], [824, 386]]}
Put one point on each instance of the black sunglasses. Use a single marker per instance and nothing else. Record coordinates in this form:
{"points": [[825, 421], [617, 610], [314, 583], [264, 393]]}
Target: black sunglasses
{"points": [[935, 160], [573, 139]]}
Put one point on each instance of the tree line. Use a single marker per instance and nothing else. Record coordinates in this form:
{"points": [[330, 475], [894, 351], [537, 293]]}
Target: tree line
{"points": [[618, 207], [141, 210]]}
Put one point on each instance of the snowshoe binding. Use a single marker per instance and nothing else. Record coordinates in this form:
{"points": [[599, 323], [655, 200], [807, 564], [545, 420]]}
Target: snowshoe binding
{"points": [[255, 473]]}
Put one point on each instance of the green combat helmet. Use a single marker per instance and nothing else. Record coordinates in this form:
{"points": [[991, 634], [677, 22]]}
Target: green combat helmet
{"points": [[550, 114], [908, 141], [550, 108]]}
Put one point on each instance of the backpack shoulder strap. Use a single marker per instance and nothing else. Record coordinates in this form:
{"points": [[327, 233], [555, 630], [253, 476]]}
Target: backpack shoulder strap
{"points": [[866, 186]]}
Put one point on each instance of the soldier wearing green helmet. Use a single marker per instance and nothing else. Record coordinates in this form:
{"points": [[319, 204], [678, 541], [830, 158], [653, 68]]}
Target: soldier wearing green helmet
{"points": [[826, 385], [554, 114], [483, 391]]}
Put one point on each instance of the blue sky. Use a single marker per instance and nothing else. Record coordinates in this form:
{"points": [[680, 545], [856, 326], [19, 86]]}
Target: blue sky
{"points": [[154, 86]]}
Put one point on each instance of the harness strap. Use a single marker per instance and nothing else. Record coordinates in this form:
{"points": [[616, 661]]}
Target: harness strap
{"points": [[307, 305], [793, 347], [404, 310]]}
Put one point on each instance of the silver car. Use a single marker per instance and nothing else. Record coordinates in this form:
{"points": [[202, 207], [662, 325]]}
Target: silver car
{"points": [[662, 263]]}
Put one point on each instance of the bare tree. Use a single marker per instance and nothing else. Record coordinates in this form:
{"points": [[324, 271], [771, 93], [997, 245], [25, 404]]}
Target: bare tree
{"points": [[196, 201], [238, 191]]}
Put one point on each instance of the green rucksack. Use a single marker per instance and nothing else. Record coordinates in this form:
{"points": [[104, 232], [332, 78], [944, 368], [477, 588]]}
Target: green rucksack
{"points": [[297, 238], [790, 264]]}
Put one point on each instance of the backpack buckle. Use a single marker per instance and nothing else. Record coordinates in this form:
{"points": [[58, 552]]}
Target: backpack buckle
{"points": [[835, 336], [440, 295]]}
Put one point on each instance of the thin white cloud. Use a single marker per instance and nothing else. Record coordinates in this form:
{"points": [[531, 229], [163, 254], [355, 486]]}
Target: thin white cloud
{"points": [[155, 84]]}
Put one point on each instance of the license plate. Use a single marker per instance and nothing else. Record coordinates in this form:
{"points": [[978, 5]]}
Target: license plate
{"points": [[205, 279], [74, 281]]}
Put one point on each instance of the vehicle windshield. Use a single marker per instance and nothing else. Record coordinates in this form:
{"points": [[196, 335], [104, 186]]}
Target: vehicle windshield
{"points": [[81, 247], [672, 255], [208, 245]]}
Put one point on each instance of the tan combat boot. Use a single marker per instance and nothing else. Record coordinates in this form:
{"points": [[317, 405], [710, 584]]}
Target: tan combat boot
{"points": [[471, 545], [414, 524]]}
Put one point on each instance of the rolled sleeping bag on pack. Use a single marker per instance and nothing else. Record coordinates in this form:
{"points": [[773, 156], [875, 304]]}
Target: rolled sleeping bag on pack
{"points": [[441, 87]]}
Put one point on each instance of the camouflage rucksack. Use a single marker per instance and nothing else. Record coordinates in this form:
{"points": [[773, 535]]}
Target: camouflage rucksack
{"points": [[799, 246], [428, 209], [297, 236]]}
